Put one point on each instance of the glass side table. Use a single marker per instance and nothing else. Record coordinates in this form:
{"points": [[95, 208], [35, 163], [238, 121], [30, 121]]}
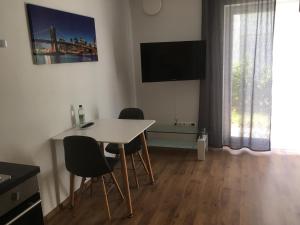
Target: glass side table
{"points": [[200, 144]]}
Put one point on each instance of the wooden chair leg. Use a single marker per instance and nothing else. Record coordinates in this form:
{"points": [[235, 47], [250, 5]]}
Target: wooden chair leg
{"points": [[116, 184], [82, 184], [143, 162], [105, 198], [134, 171], [147, 157], [91, 188], [72, 196], [81, 189]]}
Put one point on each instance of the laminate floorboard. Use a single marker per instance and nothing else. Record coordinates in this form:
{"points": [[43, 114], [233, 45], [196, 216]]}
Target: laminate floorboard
{"points": [[228, 188]]}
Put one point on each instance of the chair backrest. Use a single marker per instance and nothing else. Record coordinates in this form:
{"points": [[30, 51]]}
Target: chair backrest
{"points": [[135, 114], [131, 113], [84, 158]]}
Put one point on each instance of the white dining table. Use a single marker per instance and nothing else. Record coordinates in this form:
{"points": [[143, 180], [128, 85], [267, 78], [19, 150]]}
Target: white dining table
{"points": [[118, 131]]}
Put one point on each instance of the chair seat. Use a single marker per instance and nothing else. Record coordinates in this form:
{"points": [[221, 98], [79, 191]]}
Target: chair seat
{"points": [[130, 148]]}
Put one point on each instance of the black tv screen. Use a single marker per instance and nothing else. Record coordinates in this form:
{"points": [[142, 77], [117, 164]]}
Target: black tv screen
{"points": [[170, 61]]}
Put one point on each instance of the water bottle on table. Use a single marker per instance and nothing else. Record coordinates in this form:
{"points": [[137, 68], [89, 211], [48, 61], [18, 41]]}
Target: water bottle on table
{"points": [[81, 115]]}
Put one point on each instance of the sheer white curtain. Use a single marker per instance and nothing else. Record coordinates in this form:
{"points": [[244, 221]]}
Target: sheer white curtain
{"points": [[286, 77], [247, 73]]}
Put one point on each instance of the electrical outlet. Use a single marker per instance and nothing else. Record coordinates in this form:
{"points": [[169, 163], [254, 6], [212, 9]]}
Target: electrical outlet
{"points": [[185, 123]]}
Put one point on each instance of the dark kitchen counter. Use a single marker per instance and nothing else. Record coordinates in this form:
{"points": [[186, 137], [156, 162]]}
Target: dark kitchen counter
{"points": [[18, 172]]}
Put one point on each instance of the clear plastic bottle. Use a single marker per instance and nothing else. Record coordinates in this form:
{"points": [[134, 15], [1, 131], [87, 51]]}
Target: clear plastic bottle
{"points": [[81, 115]]}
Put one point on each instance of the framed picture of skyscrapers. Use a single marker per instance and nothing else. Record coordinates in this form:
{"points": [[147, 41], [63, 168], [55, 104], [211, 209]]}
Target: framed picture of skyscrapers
{"points": [[61, 37]]}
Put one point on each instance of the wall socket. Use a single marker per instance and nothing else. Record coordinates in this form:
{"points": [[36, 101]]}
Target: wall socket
{"points": [[3, 44], [178, 123]]}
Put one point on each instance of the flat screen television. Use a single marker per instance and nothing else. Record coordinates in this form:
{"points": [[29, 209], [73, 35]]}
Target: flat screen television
{"points": [[171, 61]]}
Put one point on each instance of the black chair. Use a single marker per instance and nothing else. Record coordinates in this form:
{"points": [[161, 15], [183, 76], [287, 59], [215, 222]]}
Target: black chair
{"points": [[84, 158], [135, 146]]}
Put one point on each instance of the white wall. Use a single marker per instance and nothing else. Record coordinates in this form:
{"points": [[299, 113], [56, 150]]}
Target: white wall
{"points": [[179, 20], [35, 99]]}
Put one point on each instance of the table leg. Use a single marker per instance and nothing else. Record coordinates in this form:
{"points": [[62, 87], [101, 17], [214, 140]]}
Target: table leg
{"points": [[72, 179], [55, 145], [125, 179], [146, 156]]}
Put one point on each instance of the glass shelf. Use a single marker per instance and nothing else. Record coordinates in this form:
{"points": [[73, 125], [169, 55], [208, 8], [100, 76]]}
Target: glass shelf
{"points": [[169, 143], [172, 143], [170, 128]]}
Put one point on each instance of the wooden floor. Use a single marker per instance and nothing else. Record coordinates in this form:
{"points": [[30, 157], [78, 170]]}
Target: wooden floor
{"points": [[229, 188]]}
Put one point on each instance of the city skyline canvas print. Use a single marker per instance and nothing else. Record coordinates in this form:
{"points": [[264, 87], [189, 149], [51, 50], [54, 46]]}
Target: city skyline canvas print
{"points": [[61, 37]]}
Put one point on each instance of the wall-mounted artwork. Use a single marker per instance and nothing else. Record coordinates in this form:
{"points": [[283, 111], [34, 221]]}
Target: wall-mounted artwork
{"points": [[61, 37]]}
